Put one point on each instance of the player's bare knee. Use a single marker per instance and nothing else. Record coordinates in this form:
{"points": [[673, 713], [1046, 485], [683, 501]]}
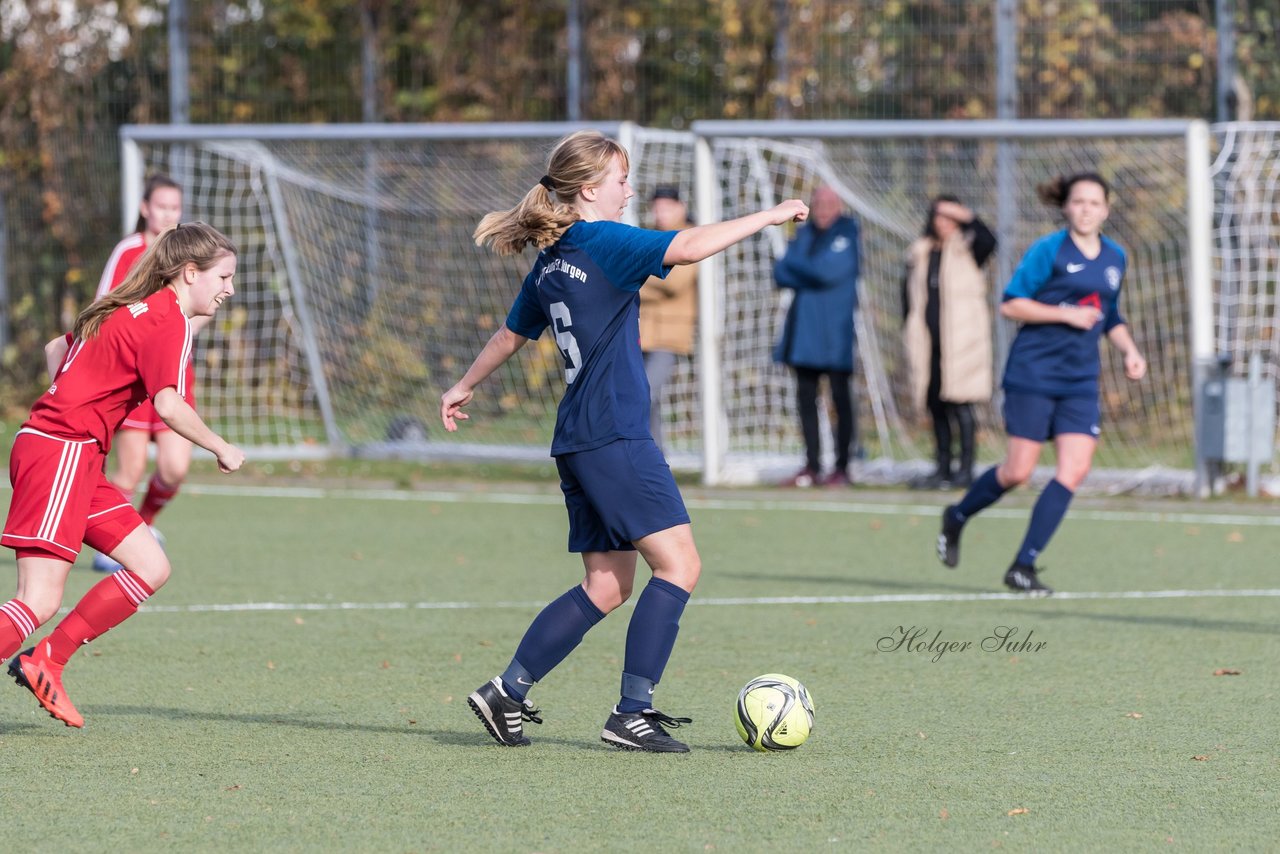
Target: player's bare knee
{"points": [[127, 478], [607, 597], [692, 573], [44, 606], [685, 575], [155, 572], [1072, 478], [617, 597], [1012, 476], [172, 473]]}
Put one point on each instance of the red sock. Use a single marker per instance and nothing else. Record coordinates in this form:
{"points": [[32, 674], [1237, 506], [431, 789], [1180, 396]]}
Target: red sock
{"points": [[108, 603], [158, 495], [19, 626]]}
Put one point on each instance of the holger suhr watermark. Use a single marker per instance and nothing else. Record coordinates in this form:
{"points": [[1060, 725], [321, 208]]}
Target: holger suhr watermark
{"points": [[921, 640]]}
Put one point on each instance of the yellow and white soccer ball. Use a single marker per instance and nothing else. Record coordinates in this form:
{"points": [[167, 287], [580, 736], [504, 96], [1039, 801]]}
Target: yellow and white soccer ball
{"points": [[775, 712]]}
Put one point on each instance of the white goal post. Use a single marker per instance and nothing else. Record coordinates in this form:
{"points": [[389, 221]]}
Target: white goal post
{"points": [[361, 296]]}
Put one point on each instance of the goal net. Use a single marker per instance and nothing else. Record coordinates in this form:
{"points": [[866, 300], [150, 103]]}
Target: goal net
{"points": [[1246, 175], [886, 174], [361, 297]]}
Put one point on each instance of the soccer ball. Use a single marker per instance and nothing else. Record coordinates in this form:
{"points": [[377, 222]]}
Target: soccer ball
{"points": [[775, 712]]}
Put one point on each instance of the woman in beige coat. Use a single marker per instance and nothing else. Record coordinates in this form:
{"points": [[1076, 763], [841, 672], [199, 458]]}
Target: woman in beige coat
{"points": [[947, 333], [668, 310]]}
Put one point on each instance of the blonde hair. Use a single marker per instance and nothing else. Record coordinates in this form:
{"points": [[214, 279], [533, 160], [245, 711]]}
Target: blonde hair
{"points": [[579, 160], [175, 248]]}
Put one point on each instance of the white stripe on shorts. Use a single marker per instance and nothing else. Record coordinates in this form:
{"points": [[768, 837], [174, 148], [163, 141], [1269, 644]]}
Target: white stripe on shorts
{"points": [[63, 482]]}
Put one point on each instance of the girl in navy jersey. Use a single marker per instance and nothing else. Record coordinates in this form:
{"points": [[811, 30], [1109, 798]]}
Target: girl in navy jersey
{"points": [[620, 494], [1066, 295], [130, 345]]}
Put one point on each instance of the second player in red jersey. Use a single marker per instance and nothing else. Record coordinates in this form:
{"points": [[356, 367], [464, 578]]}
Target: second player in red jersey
{"points": [[161, 208]]}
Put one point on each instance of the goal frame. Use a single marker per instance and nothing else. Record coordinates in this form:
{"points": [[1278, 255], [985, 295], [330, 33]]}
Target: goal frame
{"points": [[133, 174], [1199, 222], [706, 207]]}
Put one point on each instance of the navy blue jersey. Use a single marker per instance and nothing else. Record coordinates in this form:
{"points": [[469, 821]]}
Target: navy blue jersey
{"points": [[1056, 359], [586, 287]]}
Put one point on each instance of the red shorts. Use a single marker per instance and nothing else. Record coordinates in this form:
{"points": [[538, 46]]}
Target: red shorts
{"points": [[61, 498], [143, 416]]}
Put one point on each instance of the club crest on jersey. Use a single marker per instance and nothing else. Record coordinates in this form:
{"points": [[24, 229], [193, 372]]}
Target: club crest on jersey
{"points": [[840, 244], [138, 308], [1113, 277]]}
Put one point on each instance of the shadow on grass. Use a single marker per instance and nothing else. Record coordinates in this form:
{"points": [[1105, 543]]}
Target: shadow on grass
{"points": [[922, 585], [456, 738], [10, 728], [1194, 623]]}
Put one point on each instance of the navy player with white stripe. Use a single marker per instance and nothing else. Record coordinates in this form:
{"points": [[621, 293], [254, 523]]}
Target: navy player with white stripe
{"points": [[1066, 295], [617, 486]]}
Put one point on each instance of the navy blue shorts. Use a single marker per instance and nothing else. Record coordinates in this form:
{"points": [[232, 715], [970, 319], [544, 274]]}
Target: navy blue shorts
{"points": [[1039, 417], [618, 493]]}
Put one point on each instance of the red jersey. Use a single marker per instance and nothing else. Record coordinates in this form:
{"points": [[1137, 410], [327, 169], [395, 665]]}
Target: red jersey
{"points": [[123, 257], [139, 350]]}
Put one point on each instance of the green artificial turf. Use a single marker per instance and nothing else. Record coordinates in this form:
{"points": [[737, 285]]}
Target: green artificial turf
{"points": [[303, 724]]}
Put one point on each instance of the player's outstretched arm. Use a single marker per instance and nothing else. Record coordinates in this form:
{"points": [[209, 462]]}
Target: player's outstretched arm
{"points": [[183, 420], [54, 352], [502, 345], [1135, 365], [702, 241]]}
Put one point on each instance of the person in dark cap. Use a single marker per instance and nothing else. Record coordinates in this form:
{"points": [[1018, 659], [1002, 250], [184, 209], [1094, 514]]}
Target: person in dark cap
{"points": [[668, 309]]}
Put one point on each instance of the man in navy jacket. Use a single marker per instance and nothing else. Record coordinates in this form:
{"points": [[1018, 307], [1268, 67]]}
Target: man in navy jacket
{"points": [[821, 267]]}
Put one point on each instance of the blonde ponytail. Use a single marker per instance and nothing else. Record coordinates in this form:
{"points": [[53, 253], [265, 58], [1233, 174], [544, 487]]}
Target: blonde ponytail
{"points": [[579, 160]]}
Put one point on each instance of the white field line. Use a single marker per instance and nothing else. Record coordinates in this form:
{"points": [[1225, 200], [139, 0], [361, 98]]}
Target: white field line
{"points": [[748, 504], [878, 599]]}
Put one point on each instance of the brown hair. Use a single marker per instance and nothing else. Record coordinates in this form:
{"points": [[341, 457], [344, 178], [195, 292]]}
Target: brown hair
{"points": [[929, 230], [579, 160], [155, 182], [175, 248], [1056, 192]]}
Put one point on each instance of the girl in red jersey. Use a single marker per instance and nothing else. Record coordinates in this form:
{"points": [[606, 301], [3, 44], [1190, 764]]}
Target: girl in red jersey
{"points": [[130, 345], [161, 208]]}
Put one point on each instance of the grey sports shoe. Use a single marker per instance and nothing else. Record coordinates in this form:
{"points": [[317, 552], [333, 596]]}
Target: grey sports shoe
{"points": [[643, 731], [501, 715]]}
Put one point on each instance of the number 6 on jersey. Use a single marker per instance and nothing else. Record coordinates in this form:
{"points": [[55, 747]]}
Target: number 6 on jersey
{"points": [[565, 340]]}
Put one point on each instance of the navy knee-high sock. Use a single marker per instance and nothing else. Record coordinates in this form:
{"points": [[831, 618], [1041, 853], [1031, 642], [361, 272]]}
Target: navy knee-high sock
{"points": [[1050, 507], [552, 635], [986, 490], [650, 639]]}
